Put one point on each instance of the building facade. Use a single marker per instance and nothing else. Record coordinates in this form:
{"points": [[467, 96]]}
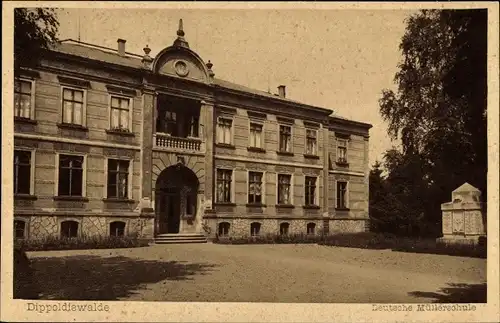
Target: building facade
{"points": [[112, 143]]}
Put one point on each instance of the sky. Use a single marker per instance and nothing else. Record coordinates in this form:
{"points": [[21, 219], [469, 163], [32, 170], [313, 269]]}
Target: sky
{"points": [[336, 59]]}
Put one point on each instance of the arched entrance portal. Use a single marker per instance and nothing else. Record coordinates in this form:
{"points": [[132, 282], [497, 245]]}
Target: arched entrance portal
{"points": [[175, 199]]}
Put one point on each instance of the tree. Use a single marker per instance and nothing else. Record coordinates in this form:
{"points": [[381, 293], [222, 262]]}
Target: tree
{"points": [[376, 209], [34, 30], [439, 108]]}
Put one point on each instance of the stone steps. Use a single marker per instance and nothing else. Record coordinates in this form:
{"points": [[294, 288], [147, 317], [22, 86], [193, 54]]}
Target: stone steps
{"points": [[170, 238]]}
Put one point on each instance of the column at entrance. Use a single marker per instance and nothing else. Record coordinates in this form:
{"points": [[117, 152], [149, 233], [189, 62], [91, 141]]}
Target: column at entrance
{"points": [[208, 119], [148, 114]]}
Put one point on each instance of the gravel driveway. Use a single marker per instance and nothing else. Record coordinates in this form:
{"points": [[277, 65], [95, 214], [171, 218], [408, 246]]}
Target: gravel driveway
{"points": [[259, 273]]}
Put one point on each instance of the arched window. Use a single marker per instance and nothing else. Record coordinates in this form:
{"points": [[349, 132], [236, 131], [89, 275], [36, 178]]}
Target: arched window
{"points": [[255, 228], [224, 229], [69, 229], [19, 229], [117, 229], [284, 228], [311, 228]]}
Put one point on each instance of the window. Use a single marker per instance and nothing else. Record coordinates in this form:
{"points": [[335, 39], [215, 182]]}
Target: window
{"points": [[255, 135], [342, 151], [254, 187], [341, 195], [311, 228], [170, 123], [22, 172], [284, 228], [194, 127], [311, 142], [70, 175], [118, 178], [224, 185], [117, 229], [284, 194], [310, 192], [254, 229], [224, 229], [120, 113], [19, 229], [22, 99], [285, 138], [73, 106], [69, 229], [224, 126]]}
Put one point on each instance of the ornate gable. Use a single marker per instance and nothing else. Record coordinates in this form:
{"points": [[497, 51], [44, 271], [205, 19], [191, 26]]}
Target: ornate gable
{"points": [[180, 61]]}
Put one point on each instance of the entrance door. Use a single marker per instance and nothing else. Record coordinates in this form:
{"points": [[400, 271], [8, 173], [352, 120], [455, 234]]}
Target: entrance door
{"points": [[173, 212], [169, 211]]}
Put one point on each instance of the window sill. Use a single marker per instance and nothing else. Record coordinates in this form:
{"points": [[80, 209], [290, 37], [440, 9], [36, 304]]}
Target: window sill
{"points": [[284, 153], [342, 209], [118, 200], [256, 149], [25, 120], [126, 133], [227, 146], [24, 197], [342, 164], [285, 206], [72, 126], [311, 156], [224, 204], [311, 207], [71, 198], [255, 205]]}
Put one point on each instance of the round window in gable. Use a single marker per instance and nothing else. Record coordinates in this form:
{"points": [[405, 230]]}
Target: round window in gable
{"points": [[181, 68]]}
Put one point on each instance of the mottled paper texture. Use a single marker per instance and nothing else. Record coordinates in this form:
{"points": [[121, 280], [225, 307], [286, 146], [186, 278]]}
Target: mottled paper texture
{"points": [[259, 45]]}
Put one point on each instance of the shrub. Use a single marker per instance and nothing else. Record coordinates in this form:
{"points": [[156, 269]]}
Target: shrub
{"points": [[83, 242], [367, 240], [370, 240], [269, 239]]}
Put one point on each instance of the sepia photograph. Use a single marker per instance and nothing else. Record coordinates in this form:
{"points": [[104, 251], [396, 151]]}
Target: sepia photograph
{"points": [[258, 155]]}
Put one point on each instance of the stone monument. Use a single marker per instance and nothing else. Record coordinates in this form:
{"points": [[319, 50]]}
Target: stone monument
{"points": [[464, 219]]}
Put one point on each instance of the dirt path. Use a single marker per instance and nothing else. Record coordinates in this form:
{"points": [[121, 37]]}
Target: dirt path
{"points": [[259, 273]]}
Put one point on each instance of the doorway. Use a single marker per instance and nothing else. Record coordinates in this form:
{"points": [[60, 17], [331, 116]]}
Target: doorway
{"points": [[175, 199], [169, 210]]}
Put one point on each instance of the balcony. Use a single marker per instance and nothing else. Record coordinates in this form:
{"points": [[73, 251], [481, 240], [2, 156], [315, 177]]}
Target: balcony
{"points": [[168, 142]]}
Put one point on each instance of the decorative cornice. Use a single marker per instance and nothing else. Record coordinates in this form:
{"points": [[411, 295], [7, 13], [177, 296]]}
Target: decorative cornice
{"points": [[121, 90], [73, 81], [27, 73], [285, 120], [256, 115], [309, 124]]}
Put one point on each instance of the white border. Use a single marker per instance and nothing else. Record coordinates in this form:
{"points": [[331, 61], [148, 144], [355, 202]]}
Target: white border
{"points": [[15, 310]]}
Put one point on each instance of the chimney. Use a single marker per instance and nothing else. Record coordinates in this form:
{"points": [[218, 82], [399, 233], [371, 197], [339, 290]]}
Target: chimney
{"points": [[121, 46], [281, 91]]}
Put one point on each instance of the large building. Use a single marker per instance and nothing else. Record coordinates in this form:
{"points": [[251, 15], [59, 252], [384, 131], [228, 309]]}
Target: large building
{"points": [[113, 143]]}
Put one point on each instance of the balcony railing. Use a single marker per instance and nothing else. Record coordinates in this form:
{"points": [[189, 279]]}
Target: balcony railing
{"points": [[162, 140]]}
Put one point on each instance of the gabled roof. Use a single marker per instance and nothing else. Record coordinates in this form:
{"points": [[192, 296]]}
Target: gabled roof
{"points": [[110, 56], [97, 53]]}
